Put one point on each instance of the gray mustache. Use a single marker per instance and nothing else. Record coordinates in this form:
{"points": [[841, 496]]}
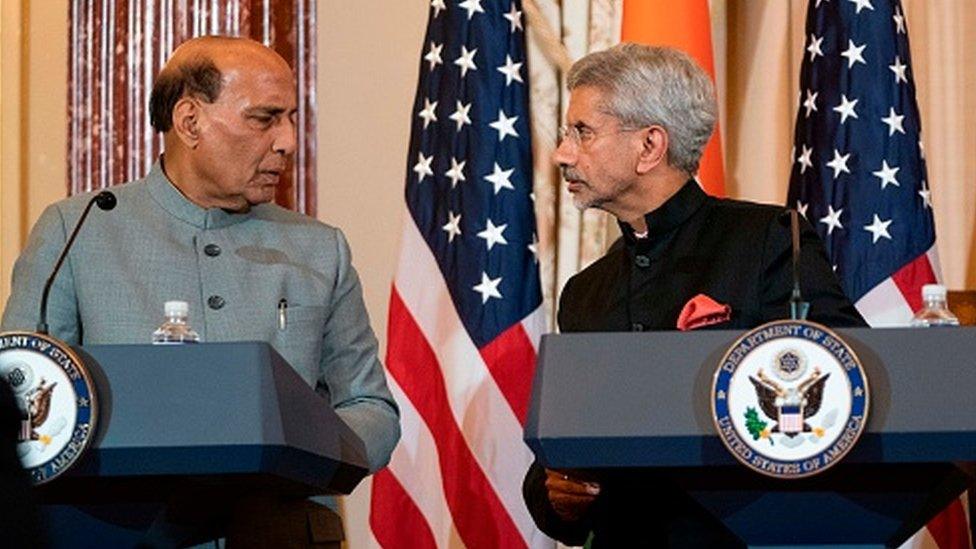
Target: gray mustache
{"points": [[570, 174]]}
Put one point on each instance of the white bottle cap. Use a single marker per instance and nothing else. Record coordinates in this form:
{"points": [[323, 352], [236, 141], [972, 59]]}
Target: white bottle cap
{"points": [[176, 308], [933, 291]]}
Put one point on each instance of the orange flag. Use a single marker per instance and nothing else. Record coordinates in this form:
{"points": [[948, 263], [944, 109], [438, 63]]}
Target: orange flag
{"points": [[686, 25]]}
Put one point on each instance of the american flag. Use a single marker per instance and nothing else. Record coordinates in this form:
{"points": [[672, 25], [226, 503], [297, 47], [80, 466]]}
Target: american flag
{"points": [[466, 305], [791, 419], [859, 169], [859, 174]]}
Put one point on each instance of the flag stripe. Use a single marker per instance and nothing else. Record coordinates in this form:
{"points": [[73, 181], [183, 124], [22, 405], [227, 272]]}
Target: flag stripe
{"points": [[507, 357], [479, 515], [396, 502], [535, 325], [912, 277], [494, 433], [950, 528], [416, 467], [884, 306]]}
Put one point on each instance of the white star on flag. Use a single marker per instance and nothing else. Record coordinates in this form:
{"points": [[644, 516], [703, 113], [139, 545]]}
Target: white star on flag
{"points": [[832, 219], [811, 102], [894, 122], [926, 195], [500, 178], [472, 7], [878, 229], [804, 158], [466, 60], [511, 70], [846, 108], [460, 115], [493, 234], [453, 226], [434, 55], [514, 17], [504, 125], [534, 247], [854, 53], [899, 69], [861, 4], [438, 6], [488, 288], [428, 112], [802, 208], [887, 175], [899, 21], [839, 163], [814, 47], [422, 167], [456, 173]]}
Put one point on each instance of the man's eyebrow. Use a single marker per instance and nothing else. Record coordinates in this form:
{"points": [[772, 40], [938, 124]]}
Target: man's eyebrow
{"points": [[266, 109]]}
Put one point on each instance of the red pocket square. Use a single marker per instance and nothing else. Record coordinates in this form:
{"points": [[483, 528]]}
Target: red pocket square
{"points": [[701, 311]]}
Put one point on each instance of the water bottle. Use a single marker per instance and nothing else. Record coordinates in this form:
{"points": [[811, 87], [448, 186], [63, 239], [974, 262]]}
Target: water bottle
{"points": [[175, 329], [934, 311]]}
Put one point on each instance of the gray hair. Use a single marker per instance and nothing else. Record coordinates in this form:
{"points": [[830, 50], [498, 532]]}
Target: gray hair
{"points": [[651, 85]]}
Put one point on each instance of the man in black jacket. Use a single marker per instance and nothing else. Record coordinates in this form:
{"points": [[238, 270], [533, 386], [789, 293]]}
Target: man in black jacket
{"points": [[638, 120]]}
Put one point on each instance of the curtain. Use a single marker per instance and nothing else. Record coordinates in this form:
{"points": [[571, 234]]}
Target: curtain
{"points": [[115, 50]]}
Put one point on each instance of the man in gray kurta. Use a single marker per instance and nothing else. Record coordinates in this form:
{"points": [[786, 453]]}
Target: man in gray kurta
{"points": [[199, 228]]}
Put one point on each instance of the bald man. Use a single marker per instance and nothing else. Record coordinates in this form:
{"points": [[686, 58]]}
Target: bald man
{"points": [[200, 227]]}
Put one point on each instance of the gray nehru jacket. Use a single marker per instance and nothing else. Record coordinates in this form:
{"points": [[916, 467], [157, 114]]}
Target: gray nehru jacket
{"points": [[233, 269]]}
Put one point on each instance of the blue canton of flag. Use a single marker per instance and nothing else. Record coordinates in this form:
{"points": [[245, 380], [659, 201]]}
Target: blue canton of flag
{"points": [[858, 168], [469, 177]]}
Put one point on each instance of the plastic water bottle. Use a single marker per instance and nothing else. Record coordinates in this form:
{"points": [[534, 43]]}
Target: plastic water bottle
{"points": [[175, 329], [934, 311]]}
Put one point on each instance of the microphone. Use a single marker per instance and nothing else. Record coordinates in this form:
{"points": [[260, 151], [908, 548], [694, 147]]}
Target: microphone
{"points": [[798, 307], [106, 201]]}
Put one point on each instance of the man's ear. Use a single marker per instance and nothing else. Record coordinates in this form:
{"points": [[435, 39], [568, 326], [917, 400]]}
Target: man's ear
{"points": [[654, 149], [186, 121]]}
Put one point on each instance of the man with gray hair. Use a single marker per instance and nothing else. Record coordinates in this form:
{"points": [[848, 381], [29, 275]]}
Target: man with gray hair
{"points": [[638, 120]]}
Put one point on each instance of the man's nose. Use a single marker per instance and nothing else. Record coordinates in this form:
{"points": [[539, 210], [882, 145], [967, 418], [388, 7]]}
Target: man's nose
{"points": [[565, 153], [286, 140]]}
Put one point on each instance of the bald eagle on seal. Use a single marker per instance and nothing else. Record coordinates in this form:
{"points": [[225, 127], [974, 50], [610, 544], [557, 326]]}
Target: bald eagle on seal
{"points": [[805, 400]]}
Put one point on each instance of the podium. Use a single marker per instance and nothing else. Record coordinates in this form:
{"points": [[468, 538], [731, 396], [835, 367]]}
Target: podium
{"points": [[612, 402], [191, 436]]}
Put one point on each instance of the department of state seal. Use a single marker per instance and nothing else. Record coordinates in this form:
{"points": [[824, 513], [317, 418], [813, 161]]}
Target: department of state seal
{"points": [[790, 399], [57, 402]]}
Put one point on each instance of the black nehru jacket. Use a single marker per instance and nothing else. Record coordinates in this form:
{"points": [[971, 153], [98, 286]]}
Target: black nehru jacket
{"points": [[737, 253]]}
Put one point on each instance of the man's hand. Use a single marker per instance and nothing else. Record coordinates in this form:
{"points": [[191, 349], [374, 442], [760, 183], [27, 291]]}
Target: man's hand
{"points": [[570, 498]]}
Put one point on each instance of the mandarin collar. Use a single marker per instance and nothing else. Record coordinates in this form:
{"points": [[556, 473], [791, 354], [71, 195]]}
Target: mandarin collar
{"points": [[179, 206], [675, 211]]}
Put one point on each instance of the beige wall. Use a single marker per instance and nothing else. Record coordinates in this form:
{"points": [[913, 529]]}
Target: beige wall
{"points": [[33, 102]]}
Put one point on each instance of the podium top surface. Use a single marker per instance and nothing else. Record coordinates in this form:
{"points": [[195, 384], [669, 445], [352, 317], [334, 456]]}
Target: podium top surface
{"points": [[211, 410], [643, 399]]}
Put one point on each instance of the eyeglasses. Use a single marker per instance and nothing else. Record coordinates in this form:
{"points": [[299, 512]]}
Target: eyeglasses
{"points": [[582, 135]]}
